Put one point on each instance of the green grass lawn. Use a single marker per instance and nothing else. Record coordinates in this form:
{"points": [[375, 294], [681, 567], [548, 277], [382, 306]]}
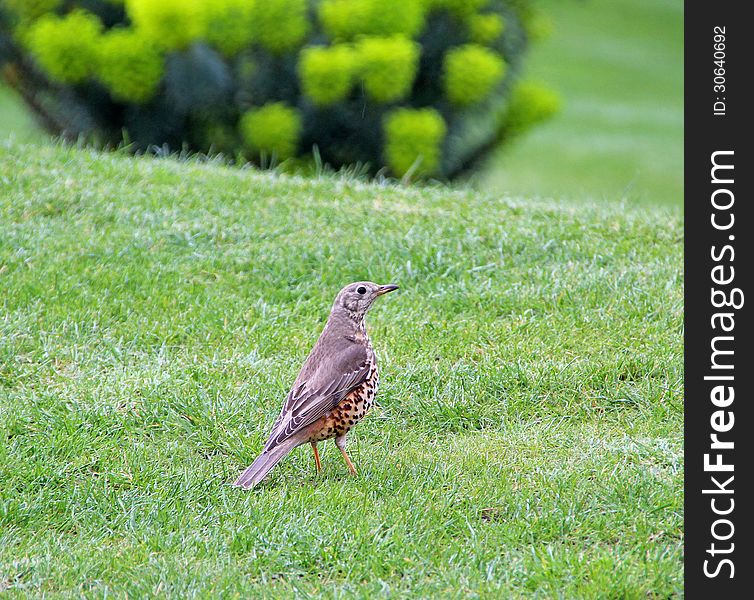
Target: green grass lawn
{"points": [[154, 312], [619, 68]]}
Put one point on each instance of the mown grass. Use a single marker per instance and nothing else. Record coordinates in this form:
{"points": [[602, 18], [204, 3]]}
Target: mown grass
{"points": [[528, 440]]}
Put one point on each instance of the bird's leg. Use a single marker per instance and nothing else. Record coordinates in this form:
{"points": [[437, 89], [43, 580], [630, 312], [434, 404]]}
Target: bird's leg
{"points": [[340, 442], [316, 457], [348, 462]]}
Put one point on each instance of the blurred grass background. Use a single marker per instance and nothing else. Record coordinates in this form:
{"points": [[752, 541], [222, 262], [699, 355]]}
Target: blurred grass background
{"points": [[619, 67], [15, 120]]}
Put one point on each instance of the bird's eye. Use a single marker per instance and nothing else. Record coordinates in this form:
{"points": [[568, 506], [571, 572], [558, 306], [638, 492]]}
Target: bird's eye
{"points": [[361, 289]]}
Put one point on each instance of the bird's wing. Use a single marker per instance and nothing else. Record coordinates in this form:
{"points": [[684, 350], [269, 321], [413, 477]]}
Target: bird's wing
{"points": [[319, 393]]}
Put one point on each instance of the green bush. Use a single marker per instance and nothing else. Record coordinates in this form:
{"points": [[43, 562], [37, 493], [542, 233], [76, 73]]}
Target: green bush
{"points": [[279, 25], [412, 141], [129, 65], [408, 87], [537, 25], [32, 9], [530, 103], [172, 24], [229, 25], [487, 28], [65, 47], [327, 73], [272, 130], [387, 66], [460, 8], [471, 73], [347, 19]]}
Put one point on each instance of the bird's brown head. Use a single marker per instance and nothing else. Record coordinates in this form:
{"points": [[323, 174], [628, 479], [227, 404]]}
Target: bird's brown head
{"points": [[357, 298]]}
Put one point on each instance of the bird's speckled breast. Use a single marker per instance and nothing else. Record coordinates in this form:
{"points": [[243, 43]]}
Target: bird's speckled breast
{"points": [[350, 411]]}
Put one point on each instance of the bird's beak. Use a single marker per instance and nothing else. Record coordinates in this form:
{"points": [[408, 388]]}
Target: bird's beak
{"points": [[384, 289]]}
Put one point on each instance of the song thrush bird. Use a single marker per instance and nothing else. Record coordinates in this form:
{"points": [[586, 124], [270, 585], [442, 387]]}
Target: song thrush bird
{"points": [[334, 389]]}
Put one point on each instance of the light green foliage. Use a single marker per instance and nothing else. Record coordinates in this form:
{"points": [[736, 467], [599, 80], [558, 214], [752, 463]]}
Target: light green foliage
{"points": [[327, 73], [65, 47], [273, 129], [471, 72], [171, 24], [529, 103], [280, 25], [486, 28], [460, 8], [413, 138], [342, 19], [387, 66], [129, 65], [347, 19], [229, 24], [537, 24], [26, 10], [527, 440]]}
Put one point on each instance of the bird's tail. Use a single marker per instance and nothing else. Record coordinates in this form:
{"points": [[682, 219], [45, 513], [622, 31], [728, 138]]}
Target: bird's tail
{"points": [[264, 464]]}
